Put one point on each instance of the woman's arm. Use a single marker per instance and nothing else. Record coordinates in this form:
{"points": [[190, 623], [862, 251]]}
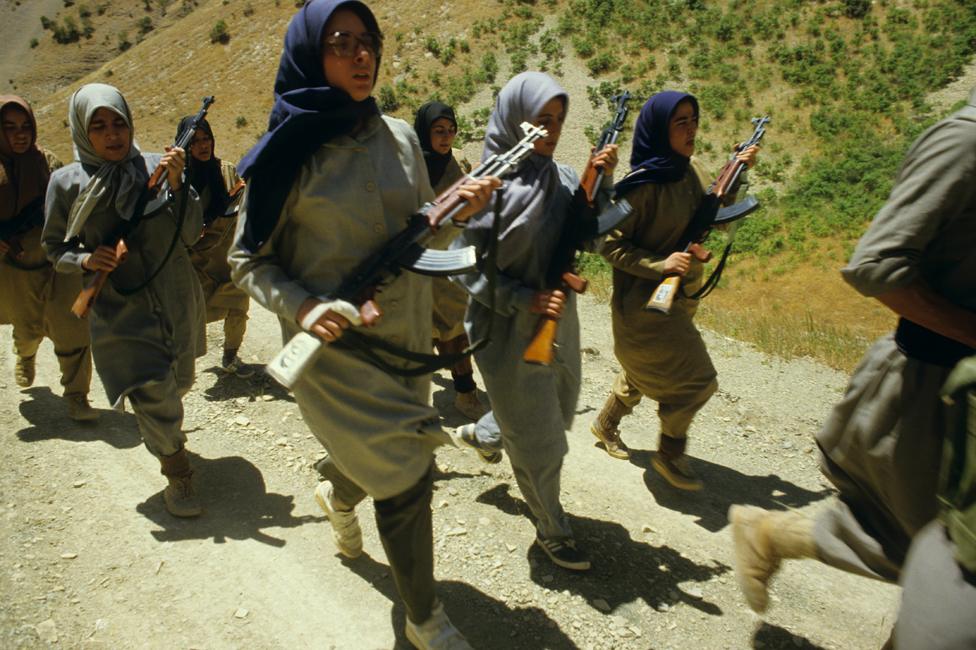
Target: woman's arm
{"points": [[67, 257], [510, 294]]}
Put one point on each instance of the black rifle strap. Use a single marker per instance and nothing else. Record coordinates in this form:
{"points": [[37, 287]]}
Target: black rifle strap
{"points": [[184, 198], [426, 363], [713, 279]]}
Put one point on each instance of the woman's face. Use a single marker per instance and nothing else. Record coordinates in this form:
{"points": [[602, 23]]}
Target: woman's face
{"points": [[442, 134], [17, 129], [201, 146], [682, 129], [110, 136], [551, 118], [349, 54]]}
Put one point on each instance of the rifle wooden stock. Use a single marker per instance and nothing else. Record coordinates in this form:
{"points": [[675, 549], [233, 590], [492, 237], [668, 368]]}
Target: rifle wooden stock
{"points": [[539, 350], [663, 296], [86, 298]]}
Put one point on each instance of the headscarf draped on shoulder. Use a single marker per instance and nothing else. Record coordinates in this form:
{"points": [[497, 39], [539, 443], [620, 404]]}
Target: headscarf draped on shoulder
{"points": [[24, 176], [652, 160], [422, 123], [206, 174], [119, 184], [528, 191], [307, 112]]}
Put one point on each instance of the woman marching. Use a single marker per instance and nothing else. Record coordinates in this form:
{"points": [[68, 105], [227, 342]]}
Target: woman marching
{"points": [[532, 405], [147, 322], [314, 208], [33, 297], [213, 178], [436, 127], [662, 356]]}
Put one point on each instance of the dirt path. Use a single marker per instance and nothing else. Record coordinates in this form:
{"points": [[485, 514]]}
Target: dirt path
{"points": [[88, 558]]}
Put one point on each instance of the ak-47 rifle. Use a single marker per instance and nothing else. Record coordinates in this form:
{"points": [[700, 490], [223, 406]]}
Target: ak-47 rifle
{"points": [[153, 197], [581, 226], [708, 215], [403, 251], [13, 230]]}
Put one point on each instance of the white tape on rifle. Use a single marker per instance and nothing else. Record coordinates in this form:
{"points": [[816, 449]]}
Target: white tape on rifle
{"points": [[289, 364]]}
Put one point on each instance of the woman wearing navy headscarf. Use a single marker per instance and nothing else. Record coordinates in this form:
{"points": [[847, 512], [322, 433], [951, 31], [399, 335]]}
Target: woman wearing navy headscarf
{"points": [[661, 356], [329, 183]]}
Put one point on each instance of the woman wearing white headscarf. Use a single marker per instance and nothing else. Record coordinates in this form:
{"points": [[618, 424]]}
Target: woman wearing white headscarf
{"points": [[533, 405], [147, 322]]}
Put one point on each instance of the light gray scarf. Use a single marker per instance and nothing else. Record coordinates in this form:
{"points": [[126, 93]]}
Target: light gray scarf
{"points": [[116, 183], [528, 191]]}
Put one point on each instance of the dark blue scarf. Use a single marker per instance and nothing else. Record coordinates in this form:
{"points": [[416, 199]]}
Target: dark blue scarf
{"points": [[307, 112], [652, 160]]}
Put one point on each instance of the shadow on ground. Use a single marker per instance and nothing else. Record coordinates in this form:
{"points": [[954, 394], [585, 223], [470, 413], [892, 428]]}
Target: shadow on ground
{"points": [[48, 416], [443, 400], [771, 637], [724, 487], [487, 622], [238, 506], [624, 570], [256, 387]]}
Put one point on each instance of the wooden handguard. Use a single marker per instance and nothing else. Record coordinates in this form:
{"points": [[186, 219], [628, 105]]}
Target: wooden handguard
{"points": [[540, 347], [86, 298], [588, 181]]}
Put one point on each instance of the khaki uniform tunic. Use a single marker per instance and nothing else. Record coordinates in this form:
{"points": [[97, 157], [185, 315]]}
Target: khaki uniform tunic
{"points": [[144, 344], [37, 302], [225, 301], [351, 196], [882, 443], [662, 356]]}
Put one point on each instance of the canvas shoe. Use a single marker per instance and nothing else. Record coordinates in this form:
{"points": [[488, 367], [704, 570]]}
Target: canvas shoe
{"points": [[465, 435], [346, 533], [436, 633]]}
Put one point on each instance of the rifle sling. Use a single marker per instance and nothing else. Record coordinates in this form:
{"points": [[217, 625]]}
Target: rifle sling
{"points": [[426, 363]]}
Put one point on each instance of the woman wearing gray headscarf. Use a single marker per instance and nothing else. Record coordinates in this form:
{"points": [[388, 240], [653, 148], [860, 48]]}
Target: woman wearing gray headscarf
{"points": [[147, 322], [532, 405]]}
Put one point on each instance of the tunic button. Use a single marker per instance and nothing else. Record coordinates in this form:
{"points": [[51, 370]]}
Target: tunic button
{"points": [[370, 186], [378, 228]]}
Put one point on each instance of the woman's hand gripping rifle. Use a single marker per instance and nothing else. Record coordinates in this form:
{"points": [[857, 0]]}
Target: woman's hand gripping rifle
{"points": [[111, 254], [709, 214], [355, 298], [580, 227]]}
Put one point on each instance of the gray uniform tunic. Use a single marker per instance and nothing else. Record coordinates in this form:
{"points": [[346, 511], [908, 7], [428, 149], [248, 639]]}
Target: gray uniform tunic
{"points": [[450, 300], [143, 344], [533, 405], [350, 197], [882, 443]]}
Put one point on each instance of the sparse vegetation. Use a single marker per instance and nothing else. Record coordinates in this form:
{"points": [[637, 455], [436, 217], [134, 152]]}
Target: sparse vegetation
{"points": [[240, 122], [219, 33]]}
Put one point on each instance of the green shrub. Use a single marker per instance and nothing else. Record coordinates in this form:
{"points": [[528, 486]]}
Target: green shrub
{"points": [[219, 33]]}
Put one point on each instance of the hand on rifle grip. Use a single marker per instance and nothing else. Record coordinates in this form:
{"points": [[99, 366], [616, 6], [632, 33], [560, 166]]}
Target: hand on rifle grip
{"points": [[549, 303], [748, 156], [174, 160], [476, 194], [606, 159], [677, 263], [106, 258], [701, 254]]}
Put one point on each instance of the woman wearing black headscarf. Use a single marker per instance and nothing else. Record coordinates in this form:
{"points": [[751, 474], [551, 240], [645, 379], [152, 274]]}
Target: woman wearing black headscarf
{"points": [[661, 356], [436, 127], [329, 183], [213, 179]]}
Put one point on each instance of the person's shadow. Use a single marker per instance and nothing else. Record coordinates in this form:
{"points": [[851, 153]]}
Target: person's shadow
{"points": [[48, 417], [485, 621], [773, 637], [229, 386], [724, 487], [624, 569], [237, 505]]}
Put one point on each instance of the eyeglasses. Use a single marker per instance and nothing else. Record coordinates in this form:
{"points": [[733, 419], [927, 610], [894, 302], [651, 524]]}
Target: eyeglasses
{"points": [[347, 45]]}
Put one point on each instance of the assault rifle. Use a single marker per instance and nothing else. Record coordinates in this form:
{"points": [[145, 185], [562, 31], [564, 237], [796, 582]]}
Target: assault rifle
{"points": [[708, 215], [581, 226], [403, 251], [153, 197], [13, 230]]}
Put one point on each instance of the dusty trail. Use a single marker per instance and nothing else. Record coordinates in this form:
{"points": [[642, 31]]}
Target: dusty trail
{"points": [[88, 557]]}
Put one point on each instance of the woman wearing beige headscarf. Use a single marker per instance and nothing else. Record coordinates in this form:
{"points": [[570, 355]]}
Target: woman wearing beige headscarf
{"points": [[147, 322], [33, 298]]}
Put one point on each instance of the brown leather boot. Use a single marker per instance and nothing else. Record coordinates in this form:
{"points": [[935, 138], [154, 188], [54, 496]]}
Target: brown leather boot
{"points": [[672, 464], [605, 427], [24, 371], [179, 496], [762, 540]]}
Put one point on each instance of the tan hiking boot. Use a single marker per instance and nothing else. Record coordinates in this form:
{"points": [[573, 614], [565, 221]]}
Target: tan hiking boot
{"points": [[24, 371], [762, 539], [469, 405], [605, 428], [179, 496], [79, 409]]}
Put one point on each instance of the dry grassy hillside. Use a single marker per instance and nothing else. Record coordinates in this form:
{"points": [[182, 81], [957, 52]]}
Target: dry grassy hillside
{"points": [[792, 303]]}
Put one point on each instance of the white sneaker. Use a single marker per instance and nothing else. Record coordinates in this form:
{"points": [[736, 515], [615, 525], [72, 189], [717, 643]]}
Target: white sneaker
{"points": [[436, 633], [346, 533]]}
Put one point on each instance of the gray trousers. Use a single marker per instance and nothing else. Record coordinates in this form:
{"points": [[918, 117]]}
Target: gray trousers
{"points": [[405, 526], [938, 603]]}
